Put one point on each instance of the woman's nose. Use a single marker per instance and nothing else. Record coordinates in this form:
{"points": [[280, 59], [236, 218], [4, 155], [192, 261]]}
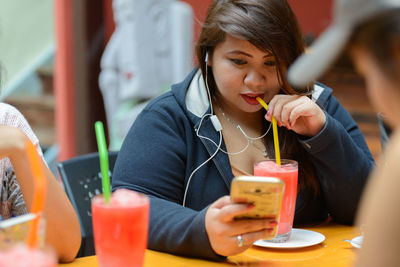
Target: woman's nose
{"points": [[254, 79]]}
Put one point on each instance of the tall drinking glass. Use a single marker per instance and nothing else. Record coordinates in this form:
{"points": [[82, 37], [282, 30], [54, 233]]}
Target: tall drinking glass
{"points": [[288, 173], [120, 228]]}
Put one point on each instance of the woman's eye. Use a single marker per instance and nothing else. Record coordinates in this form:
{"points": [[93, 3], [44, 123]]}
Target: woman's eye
{"points": [[238, 61], [270, 63]]}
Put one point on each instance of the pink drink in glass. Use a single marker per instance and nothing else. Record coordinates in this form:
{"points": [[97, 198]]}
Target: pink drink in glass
{"points": [[288, 173], [120, 228]]}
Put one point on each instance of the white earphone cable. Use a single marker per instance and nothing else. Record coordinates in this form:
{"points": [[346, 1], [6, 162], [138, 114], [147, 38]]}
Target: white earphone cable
{"points": [[200, 136], [198, 167]]}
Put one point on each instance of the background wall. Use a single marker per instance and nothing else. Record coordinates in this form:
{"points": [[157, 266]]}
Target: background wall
{"points": [[26, 34], [313, 15]]}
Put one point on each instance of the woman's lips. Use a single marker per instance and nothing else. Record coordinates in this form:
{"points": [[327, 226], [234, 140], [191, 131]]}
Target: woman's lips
{"points": [[251, 99]]}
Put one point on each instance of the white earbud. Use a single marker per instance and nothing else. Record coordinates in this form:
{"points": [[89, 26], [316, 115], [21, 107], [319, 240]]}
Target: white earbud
{"points": [[206, 58]]}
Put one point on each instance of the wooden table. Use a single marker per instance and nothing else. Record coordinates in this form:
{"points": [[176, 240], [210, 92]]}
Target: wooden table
{"points": [[332, 252]]}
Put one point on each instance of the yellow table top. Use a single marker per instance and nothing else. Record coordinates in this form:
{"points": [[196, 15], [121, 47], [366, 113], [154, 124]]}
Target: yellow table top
{"points": [[332, 252]]}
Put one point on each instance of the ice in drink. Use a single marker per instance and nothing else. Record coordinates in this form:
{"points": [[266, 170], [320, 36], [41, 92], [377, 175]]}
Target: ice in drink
{"points": [[120, 228], [288, 173]]}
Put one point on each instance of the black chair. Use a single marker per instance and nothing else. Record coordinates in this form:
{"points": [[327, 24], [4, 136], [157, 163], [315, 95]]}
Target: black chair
{"points": [[82, 181]]}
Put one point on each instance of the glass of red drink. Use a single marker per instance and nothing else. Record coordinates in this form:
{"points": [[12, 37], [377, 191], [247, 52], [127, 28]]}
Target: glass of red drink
{"points": [[120, 228], [288, 173]]}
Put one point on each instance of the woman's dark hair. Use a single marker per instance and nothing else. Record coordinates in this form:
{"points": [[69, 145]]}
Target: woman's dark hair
{"points": [[381, 37], [271, 26]]}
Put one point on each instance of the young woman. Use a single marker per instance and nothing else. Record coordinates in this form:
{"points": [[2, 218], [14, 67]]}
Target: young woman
{"points": [[16, 187], [188, 144], [373, 42]]}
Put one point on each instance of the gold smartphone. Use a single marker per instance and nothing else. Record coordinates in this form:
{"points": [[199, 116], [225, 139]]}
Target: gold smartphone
{"points": [[265, 193]]}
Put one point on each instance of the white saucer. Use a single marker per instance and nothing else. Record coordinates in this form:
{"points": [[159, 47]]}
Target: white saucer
{"points": [[299, 238], [357, 241]]}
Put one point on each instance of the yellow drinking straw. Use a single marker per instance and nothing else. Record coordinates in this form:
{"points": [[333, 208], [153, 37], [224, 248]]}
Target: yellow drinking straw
{"points": [[275, 133], [39, 194]]}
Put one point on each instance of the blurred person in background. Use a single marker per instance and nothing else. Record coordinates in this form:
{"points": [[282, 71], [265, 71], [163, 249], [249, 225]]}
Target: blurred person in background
{"points": [[17, 186]]}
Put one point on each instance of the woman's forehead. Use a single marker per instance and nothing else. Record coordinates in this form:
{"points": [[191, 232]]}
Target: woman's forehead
{"points": [[236, 45]]}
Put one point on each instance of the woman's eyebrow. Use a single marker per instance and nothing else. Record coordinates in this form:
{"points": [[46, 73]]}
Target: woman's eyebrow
{"points": [[239, 52]]}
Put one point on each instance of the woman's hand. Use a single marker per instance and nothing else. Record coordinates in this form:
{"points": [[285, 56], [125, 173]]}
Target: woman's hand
{"points": [[297, 113], [222, 229]]}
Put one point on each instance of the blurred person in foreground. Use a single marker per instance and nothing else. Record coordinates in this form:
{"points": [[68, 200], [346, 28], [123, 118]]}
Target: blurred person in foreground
{"points": [[370, 31], [17, 186]]}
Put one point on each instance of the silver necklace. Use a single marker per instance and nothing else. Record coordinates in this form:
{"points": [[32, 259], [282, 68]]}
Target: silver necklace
{"points": [[250, 140]]}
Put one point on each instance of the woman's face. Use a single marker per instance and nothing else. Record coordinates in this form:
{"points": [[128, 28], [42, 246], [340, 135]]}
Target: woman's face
{"points": [[242, 72], [383, 92]]}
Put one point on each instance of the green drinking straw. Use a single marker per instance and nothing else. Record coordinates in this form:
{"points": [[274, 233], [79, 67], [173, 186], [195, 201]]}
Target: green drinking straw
{"points": [[103, 155]]}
